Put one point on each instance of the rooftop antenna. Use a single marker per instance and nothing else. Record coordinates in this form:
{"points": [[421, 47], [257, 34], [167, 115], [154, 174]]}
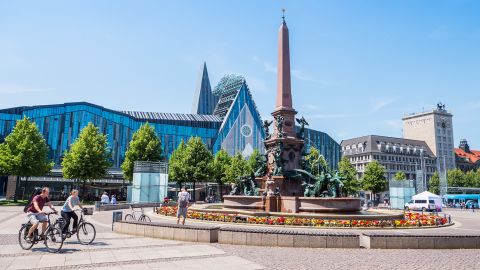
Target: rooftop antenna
{"points": [[283, 14]]}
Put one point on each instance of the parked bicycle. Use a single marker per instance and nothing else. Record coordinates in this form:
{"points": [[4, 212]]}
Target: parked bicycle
{"points": [[85, 232], [52, 239], [133, 215]]}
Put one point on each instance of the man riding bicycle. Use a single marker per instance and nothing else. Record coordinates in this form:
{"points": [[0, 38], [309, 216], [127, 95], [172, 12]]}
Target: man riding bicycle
{"points": [[68, 213], [36, 214]]}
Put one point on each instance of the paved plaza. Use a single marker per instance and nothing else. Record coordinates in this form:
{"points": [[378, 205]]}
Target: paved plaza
{"points": [[116, 251]]}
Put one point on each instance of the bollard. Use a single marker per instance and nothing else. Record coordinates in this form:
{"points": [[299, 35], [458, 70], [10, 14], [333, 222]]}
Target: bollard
{"points": [[116, 216]]}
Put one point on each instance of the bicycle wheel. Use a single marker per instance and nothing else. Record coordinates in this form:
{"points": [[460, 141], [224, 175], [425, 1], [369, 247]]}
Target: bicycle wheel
{"points": [[129, 217], [86, 233], [22, 238], [53, 239], [144, 218]]}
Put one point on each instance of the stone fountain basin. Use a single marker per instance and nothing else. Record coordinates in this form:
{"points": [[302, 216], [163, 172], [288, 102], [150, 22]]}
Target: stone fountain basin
{"points": [[306, 207]]}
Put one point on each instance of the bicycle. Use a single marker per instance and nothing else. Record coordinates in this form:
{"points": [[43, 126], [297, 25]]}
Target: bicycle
{"points": [[86, 232], [52, 238], [132, 216]]}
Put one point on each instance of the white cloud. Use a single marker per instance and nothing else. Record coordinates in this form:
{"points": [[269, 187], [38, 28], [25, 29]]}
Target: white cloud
{"points": [[379, 103], [267, 66], [257, 85], [19, 89]]}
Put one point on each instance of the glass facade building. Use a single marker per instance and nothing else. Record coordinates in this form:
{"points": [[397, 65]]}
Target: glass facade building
{"points": [[231, 123]]}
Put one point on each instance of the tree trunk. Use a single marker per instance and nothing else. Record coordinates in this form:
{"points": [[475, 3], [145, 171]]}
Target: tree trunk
{"points": [[17, 184], [83, 187], [24, 188], [194, 191]]}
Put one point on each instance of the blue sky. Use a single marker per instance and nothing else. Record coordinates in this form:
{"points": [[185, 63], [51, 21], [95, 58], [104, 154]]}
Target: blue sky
{"points": [[357, 66]]}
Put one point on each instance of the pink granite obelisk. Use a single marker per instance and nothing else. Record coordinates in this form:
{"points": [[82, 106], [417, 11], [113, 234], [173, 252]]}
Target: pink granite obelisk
{"points": [[284, 149]]}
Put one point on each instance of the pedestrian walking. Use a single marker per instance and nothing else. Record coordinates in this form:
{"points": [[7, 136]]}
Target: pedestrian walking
{"points": [[114, 199], [104, 199], [183, 199]]}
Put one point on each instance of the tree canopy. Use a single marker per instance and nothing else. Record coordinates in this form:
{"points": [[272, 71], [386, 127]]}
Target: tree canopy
{"points": [[197, 160], [176, 168], [400, 175], [434, 183], [24, 152], [88, 157], [238, 168], [252, 164], [316, 161], [144, 146], [374, 177], [351, 183], [221, 162]]}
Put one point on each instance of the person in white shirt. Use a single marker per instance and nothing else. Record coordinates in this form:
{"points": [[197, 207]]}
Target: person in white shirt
{"points": [[104, 199]]}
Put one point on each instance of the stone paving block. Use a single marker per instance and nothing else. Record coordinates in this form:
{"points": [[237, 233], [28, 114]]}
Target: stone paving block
{"points": [[300, 240], [168, 233], [158, 232], [469, 242], [334, 241], [318, 241], [254, 239], [410, 242], [139, 230], [269, 239], [149, 231], [394, 243], [225, 237], [239, 238], [179, 234], [206, 236], [117, 227], [191, 235], [378, 242], [351, 242], [448, 242], [285, 240], [426, 242], [131, 229]]}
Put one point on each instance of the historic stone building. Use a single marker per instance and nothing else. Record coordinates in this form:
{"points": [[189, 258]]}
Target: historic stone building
{"points": [[395, 154], [435, 127], [465, 158]]}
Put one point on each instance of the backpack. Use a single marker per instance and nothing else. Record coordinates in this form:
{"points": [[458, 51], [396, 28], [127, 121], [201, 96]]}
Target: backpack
{"points": [[182, 200], [36, 192]]}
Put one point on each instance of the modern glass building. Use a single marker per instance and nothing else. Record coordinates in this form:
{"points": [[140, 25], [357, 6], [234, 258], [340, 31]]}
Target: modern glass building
{"points": [[232, 123]]}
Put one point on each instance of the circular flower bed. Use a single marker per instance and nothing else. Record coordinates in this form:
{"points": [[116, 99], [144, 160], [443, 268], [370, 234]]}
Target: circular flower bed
{"points": [[411, 219]]}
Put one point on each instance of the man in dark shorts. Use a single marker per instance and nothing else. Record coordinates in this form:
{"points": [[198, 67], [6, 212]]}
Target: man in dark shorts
{"points": [[35, 211], [183, 199]]}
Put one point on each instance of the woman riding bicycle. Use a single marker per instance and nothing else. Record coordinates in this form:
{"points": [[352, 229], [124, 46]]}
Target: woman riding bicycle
{"points": [[68, 213]]}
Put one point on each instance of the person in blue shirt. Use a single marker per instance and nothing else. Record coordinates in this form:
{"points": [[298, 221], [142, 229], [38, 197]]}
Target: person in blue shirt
{"points": [[68, 213], [113, 200]]}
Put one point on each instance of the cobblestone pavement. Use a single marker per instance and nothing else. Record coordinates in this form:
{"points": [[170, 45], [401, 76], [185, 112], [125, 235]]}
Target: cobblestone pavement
{"points": [[117, 251], [110, 250]]}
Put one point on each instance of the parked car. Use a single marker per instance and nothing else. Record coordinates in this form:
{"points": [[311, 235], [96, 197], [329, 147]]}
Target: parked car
{"points": [[420, 205], [469, 204]]}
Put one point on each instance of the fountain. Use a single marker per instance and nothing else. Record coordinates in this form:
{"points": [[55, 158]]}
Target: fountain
{"points": [[284, 182]]}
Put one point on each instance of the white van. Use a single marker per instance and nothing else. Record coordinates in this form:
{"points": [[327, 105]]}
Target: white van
{"points": [[421, 205]]}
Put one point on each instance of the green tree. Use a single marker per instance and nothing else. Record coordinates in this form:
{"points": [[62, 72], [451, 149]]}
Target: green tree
{"points": [[374, 178], [238, 168], [220, 165], [176, 168], [144, 146], [400, 175], [197, 162], [456, 178], [88, 157], [351, 183], [316, 161], [476, 182], [252, 161], [434, 183], [470, 178], [24, 153]]}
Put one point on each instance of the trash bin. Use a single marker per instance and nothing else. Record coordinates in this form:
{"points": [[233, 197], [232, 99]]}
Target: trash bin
{"points": [[116, 216], [97, 206]]}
